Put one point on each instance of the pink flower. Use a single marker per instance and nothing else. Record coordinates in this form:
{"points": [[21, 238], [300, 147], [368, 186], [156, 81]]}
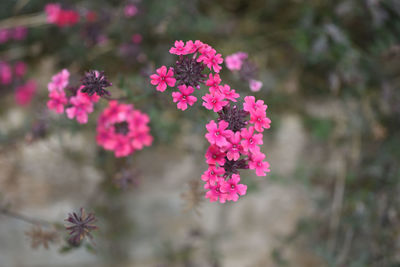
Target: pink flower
{"points": [[217, 135], [130, 10], [214, 101], [212, 60], [235, 61], [255, 85], [20, 33], [213, 82], [229, 93], [252, 106], [214, 192], [184, 97], [179, 48], [4, 35], [81, 107], [257, 163], [214, 155], [163, 78], [250, 140], [234, 147], [123, 129], [52, 12], [191, 47], [59, 81], [25, 93], [212, 173], [260, 120], [5, 73], [137, 38], [20, 69], [233, 189], [57, 101]]}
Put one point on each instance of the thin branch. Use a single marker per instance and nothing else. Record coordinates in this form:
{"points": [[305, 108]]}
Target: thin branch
{"points": [[6, 212]]}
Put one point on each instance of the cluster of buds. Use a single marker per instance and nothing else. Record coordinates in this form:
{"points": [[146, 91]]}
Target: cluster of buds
{"points": [[239, 62], [236, 136], [80, 103], [59, 16]]}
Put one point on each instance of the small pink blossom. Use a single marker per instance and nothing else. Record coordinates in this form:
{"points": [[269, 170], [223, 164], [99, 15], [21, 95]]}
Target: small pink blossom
{"points": [[229, 93], [57, 101], [4, 35], [213, 82], [81, 107], [20, 69], [260, 120], [25, 93], [255, 85], [215, 156], [53, 12], [179, 48], [250, 104], [59, 81], [250, 140], [217, 134], [130, 10], [234, 147], [163, 78], [214, 192], [233, 189], [137, 38], [19, 33], [212, 60], [5, 73], [214, 101], [184, 97], [212, 173], [235, 61], [257, 163]]}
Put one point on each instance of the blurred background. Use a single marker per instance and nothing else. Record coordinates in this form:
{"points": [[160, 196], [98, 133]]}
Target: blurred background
{"points": [[330, 74]]}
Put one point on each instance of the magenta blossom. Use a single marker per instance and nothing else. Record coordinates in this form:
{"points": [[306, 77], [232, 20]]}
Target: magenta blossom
{"points": [[214, 101], [215, 156], [235, 61], [179, 48], [57, 101], [260, 120], [228, 93], [82, 105], [212, 173], [5, 73], [217, 134], [25, 93], [59, 81], [215, 192], [163, 78], [234, 148], [184, 97], [250, 140], [233, 189], [255, 85], [257, 163]]}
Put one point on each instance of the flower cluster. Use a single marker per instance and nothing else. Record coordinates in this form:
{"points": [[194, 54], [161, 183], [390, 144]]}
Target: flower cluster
{"points": [[188, 72], [247, 70], [77, 106], [235, 144], [236, 136], [123, 129], [61, 17], [16, 34]]}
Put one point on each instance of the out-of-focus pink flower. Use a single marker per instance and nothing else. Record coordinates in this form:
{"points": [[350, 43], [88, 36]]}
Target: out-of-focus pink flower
{"points": [[137, 38], [20, 69], [184, 97], [19, 33], [82, 105], [255, 85], [130, 10], [235, 61], [57, 101], [59, 81], [4, 35], [123, 129], [5, 73], [52, 11], [163, 78], [25, 93]]}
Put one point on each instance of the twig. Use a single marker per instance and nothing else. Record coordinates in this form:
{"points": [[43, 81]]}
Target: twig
{"points": [[30, 20], [6, 212]]}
